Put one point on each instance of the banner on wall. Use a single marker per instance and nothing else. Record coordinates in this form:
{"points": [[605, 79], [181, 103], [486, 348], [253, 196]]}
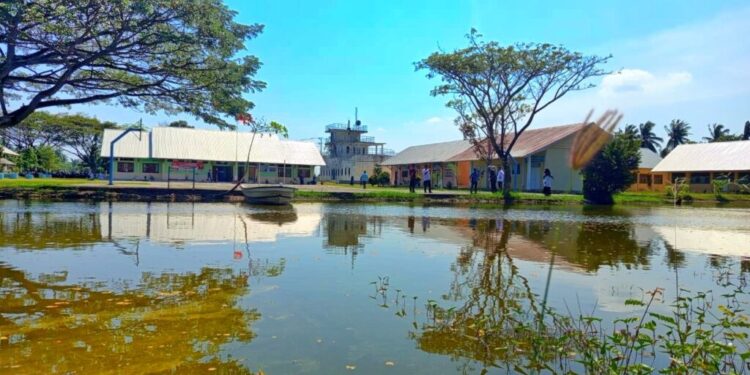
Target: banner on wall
{"points": [[177, 164]]}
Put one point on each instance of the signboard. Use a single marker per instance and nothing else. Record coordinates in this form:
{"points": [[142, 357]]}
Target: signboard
{"points": [[187, 164]]}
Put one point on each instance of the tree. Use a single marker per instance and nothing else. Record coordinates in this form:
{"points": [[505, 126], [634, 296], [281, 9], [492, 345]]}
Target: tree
{"points": [[632, 131], [611, 170], [649, 140], [84, 139], [180, 124], [677, 134], [37, 130], [43, 158], [746, 132], [174, 56], [717, 133], [497, 90]]}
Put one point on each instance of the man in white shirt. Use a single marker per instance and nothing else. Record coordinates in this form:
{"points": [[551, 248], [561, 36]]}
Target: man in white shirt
{"points": [[500, 179], [427, 179]]}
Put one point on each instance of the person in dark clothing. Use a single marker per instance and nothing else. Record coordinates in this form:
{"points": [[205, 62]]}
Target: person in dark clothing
{"points": [[493, 180], [474, 177], [301, 178], [412, 179]]}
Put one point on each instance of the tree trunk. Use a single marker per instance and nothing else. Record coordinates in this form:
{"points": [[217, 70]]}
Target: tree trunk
{"points": [[506, 180]]}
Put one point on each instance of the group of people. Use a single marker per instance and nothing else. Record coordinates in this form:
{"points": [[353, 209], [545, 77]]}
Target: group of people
{"points": [[426, 179], [496, 179]]}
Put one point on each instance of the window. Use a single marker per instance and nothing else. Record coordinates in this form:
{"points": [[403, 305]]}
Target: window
{"points": [[658, 179], [676, 176], [700, 178], [304, 172], [347, 149], [283, 171], [267, 168], [404, 173], [644, 179], [125, 166], [150, 167], [743, 178]]}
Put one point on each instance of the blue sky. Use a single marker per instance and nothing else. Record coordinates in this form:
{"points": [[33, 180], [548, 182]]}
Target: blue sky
{"points": [[676, 59]]}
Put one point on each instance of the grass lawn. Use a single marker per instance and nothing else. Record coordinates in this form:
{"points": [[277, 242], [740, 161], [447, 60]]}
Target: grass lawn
{"points": [[46, 182]]}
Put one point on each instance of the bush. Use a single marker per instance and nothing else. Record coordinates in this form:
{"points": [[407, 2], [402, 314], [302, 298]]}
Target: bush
{"points": [[611, 170]]}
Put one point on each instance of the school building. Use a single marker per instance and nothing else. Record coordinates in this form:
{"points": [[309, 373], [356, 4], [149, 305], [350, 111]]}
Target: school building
{"points": [[209, 155], [701, 163], [645, 177], [451, 162]]}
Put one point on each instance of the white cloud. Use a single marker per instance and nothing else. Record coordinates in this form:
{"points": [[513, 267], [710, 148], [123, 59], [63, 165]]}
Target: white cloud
{"points": [[434, 120], [697, 72], [639, 82]]}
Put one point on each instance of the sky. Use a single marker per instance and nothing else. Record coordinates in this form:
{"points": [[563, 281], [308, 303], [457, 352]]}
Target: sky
{"points": [[321, 59]]}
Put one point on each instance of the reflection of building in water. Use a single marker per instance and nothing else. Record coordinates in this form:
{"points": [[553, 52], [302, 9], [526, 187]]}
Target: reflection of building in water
{"points": [[182, 223], [344, 232], [732, 243]]}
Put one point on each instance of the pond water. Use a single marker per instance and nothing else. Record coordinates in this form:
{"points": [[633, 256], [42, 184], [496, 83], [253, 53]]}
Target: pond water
{"points": [[326, 288]]}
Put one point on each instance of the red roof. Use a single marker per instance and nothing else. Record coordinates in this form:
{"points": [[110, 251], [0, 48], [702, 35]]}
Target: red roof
{"points": [[530, 142]]}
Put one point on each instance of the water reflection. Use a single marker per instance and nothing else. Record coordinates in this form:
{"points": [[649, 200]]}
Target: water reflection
{"points": [[122, 284], [161, 322]]}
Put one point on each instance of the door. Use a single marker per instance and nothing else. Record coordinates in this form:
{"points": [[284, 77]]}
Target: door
{"points": [[535, 178], [222, 173]]}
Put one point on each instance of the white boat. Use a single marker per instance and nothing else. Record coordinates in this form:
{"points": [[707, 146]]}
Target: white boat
{"points": [[272, 194]]}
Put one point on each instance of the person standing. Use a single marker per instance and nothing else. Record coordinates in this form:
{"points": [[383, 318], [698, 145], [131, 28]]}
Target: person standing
{"points": [[474, 178], [301, 178], [412, 178], [501, 179], [427, 179], [547, 182], [493, 180], [363, 179]]}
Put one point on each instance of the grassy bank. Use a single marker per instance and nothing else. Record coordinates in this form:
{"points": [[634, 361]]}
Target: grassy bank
{"points": [[58, 188]]}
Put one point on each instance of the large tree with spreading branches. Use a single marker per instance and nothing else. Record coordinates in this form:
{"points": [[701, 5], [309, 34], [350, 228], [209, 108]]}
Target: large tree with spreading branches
{"points": [[153, 55], [498, 90]]}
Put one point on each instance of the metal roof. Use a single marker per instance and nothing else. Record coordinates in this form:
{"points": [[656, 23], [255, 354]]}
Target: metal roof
{"points": [[429, 153], [210, 145], [7, 151], [649, 159], [529, 142], [707, 157]]}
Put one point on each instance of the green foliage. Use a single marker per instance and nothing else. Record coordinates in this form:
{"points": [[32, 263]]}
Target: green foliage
{"points": [[180, 124], [719, 133], [611, 170], [153, 55], [498, 90], [677, 134], [79, 135], [278, 128], [41, 159], [648, 139], [379, 177], [746, 132]]}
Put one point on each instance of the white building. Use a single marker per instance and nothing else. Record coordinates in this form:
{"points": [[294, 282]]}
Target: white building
{"points": [[176, 153]]}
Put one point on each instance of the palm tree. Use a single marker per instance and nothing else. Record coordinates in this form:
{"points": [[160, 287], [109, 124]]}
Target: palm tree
{"points": [[677, 134], [717, 133], [649, 140], [746, 132], [631, 131]]}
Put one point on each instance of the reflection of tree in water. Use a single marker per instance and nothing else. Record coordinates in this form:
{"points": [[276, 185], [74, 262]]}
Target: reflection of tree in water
{"points": [[168, 322], [488, 317], [491, 307], [42, 230]]}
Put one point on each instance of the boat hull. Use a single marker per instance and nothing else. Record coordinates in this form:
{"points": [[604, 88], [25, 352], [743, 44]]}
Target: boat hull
{"points": [[272, 195]]}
